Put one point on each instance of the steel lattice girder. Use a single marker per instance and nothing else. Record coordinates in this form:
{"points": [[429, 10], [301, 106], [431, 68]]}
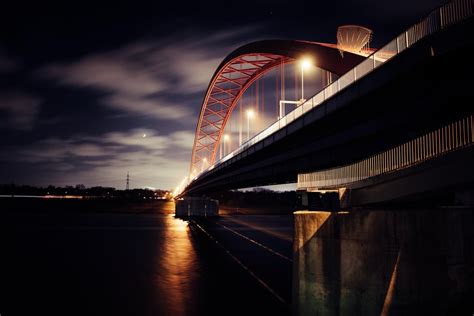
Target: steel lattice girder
{"points": [[228, 87]]}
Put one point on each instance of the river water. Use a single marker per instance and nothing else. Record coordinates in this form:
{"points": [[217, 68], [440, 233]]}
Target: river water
{"points": [[122, 264]]}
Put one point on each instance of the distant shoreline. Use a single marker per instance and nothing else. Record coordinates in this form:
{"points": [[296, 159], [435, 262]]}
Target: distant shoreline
{"points": [[79, 197], [87, 205], [42, 196], [52, 205]]}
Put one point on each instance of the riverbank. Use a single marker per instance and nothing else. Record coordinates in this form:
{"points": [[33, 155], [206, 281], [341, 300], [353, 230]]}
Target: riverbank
{"points": [[61, 205]]}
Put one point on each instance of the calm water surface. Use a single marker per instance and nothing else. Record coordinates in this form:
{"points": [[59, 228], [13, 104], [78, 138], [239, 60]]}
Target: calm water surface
{"points": [[112, 264]]}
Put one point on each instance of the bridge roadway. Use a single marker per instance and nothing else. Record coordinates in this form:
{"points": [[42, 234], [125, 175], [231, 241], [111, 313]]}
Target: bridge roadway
{"points": [[418, 90]]}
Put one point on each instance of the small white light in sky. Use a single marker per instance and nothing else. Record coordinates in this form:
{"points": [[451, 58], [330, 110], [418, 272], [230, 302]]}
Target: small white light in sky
{"points": [[144, 135]]}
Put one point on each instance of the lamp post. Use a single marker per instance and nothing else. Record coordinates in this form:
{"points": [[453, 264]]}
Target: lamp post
{"points": [[240, 127], [221, 147], [226, 139], [204, 163], [250, 114], [305, 64]]}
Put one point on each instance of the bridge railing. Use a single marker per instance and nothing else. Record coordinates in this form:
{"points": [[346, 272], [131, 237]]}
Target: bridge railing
{"points": [[446, 15], [454, 136]]}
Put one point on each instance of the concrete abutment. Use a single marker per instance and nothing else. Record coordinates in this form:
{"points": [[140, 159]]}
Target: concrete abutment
{"points": [[381, 262], [196, 206]]}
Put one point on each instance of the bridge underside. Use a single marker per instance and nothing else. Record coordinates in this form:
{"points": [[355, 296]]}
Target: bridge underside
{"points": [[419, 90]]}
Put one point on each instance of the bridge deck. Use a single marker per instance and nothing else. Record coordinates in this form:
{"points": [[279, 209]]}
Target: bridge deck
{"points": [[387, 107]]}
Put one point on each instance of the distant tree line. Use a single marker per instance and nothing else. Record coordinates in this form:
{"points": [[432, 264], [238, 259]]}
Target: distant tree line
{"points": [[83, 191]]}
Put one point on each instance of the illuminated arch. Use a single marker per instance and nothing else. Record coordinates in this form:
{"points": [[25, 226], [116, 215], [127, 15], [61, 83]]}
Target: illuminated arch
{"points": [[239, 70]]}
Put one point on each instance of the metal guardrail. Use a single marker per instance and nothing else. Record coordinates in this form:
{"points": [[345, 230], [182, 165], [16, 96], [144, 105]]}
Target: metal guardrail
{"points": [[451, 137], [446, 15]]}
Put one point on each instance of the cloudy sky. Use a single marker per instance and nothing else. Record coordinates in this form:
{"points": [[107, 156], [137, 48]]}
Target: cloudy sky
{"points": [[82, 84]]}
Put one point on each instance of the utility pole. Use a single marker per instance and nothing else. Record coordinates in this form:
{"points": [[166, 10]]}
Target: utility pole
{"points": [[127, 187]]}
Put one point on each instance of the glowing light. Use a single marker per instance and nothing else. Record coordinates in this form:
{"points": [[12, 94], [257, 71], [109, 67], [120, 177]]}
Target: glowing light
{"points": [[180, 225], [180, 187], [250, 113], [226, 137], [305, 63], [144, 135], [204, 164]]}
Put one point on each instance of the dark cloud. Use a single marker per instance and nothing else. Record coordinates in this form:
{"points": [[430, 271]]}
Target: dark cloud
{"points": [[19, 110], [151, 158], [153, 78], [145, 76], [7, 63], [81, 87]]}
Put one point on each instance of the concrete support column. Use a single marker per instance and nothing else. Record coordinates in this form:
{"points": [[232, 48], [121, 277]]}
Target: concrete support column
{"points": [[196, 206], [384, 262]]}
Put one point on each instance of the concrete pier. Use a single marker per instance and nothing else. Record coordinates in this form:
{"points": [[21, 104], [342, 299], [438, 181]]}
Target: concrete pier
{"points": [[381, 262], [196, 206]]}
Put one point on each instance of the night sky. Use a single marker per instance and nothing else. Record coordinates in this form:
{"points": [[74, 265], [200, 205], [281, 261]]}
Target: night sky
{"points": [[82, 83]]}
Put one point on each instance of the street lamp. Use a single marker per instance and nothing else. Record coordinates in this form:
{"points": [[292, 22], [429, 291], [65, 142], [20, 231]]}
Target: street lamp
{"points": [[250, 114], [226, 139], [305, 64], [204, 163]]}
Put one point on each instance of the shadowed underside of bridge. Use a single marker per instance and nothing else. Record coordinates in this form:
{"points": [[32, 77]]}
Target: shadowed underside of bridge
{"points": [[419, 90], [239, 70]]}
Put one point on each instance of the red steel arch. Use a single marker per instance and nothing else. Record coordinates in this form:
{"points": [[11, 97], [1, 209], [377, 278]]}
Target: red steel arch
{"points": [[239, 70]]}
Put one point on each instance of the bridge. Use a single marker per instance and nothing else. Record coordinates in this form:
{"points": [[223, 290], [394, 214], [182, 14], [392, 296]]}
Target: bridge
{"points": [[390, 130], [381, 117]]}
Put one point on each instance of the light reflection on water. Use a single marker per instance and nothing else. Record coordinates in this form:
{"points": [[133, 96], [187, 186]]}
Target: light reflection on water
{"points": [[177, 268]]}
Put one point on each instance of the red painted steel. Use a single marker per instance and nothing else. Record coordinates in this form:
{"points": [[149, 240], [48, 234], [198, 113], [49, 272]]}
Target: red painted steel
{"points": [[225, 90]]}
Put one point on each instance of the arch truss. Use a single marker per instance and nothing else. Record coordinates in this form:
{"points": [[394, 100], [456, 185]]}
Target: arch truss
{"points": [[227, 88]]}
